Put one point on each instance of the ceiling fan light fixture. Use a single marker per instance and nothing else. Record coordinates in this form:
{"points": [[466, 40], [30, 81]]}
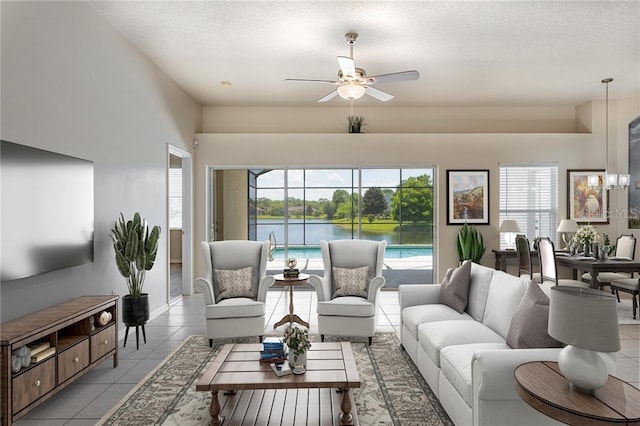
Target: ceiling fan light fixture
{"points": [[351, 91]]}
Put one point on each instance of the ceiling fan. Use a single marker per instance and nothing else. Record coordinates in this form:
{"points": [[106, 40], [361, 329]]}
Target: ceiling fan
{"points": [[353, 82]]}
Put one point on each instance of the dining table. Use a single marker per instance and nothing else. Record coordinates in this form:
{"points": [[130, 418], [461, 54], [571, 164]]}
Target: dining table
{"points": [[581, 264]]}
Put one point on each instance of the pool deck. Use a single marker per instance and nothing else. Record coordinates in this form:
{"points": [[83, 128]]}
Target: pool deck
{"points": [[406, 270]]}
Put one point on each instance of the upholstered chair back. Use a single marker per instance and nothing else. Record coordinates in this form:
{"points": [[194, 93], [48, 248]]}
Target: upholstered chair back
{"points": [[626, 246], [352, 254], [237, 254]]}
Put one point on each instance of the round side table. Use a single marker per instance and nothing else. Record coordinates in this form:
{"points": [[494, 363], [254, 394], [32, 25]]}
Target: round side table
{"points": [[291, 282], [541, 385]]}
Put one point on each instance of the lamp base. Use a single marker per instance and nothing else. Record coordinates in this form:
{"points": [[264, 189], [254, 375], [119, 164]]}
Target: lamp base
{"points": [[584, 369]]}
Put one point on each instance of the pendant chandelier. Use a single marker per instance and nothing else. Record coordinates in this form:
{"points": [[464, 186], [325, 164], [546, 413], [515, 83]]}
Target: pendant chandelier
{"points": [[610, 180]]}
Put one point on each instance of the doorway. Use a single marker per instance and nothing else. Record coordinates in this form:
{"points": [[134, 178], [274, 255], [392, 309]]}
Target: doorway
{"points": [[179, 184]]}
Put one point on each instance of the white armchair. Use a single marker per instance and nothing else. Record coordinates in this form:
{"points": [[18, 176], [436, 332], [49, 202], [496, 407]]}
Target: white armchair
{"points": [[347, 306], [235, 287]]}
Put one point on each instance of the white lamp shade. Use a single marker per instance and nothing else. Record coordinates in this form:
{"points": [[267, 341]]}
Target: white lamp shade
{"points": [[567, 225], [509, 225], [351, 91], [584, 317]]}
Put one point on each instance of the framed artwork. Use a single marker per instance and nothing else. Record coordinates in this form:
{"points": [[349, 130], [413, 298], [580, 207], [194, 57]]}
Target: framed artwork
{"points": [[468, 197], [586, 204]]}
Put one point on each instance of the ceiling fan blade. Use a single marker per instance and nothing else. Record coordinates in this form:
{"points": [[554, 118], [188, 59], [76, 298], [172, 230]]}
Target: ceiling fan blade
{"points": [[302, 80], [348, 66], [395, 76], [378, 94], [329, 96]]}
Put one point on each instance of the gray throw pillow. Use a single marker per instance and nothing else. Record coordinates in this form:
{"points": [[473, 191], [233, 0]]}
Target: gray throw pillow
{"points": [[351, 281], [455, 287], [234, 283], [530, 321]]}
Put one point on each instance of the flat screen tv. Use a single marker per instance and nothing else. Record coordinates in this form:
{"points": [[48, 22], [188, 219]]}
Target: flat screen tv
{"points": [[47, 211]]}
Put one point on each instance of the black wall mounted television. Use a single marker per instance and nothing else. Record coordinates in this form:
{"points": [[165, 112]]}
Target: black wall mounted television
{"points": [[47, 211]]}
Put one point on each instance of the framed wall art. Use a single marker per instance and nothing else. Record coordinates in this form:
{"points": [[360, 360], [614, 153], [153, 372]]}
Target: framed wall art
{"points": [[586, 204], [468, 197]]}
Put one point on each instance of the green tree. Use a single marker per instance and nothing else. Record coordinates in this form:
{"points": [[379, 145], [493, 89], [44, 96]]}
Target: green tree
{"points": [[373, 202], [413, 201]]}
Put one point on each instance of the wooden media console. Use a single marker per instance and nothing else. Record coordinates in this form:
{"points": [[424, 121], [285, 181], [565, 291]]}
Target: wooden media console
{"points": [[80, 344]]}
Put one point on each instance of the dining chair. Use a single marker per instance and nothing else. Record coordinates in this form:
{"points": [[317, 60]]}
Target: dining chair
{"points": [[525, 265], [549, 268], [625, 248], [627, 285]]}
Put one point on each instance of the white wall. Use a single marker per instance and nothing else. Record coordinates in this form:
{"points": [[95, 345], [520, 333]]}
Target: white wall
{"points": [[72, 84]]}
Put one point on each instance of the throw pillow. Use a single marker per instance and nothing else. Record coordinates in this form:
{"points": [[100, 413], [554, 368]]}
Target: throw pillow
{"points": [[529, 323], [454, 290], [351, 281], [234, 283]]}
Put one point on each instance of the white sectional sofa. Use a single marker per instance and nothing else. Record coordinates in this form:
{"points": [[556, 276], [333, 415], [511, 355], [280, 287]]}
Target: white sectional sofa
{"points": [[464, 356]]}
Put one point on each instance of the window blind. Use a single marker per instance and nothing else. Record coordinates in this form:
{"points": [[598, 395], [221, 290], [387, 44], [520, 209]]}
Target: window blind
{"points": [[529, 195]]}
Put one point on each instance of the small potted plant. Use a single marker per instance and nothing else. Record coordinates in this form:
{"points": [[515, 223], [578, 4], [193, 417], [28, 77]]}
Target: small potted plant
{"points": [[469, 244], [297, 340], [356, 124], [135, 248]]}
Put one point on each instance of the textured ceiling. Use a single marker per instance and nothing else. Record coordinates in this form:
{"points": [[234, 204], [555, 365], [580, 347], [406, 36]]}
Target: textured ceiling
{"points": [[468, 53]]}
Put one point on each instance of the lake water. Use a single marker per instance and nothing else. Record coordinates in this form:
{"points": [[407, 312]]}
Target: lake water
{"points": [[311, 231]]}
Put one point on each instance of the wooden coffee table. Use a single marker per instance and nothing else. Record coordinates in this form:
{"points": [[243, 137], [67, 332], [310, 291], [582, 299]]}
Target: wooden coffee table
{"points": [[288, 399]]}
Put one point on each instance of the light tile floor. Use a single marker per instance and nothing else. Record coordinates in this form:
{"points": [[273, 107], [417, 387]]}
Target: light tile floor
{"points": [[93, 395]]}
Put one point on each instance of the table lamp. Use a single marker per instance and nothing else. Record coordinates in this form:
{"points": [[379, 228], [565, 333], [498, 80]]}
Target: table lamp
{"points": [[586, 320], [509, 227], [567, 226]]}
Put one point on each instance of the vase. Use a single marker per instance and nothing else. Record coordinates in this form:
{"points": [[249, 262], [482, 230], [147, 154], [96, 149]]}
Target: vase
{"points": [[300, 359], [587, 249]]}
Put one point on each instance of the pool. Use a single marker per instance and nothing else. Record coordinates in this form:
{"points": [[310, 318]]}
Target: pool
{"points": [[392, 252]]}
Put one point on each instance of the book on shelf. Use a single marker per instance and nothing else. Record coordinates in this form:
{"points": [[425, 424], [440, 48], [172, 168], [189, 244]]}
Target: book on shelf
{"points": [[281, 368], [43, 354], [39, 347]]}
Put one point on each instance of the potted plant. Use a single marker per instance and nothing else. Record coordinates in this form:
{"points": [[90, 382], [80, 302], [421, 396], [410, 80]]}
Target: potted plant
{"points": [[297, 340], [135, 251], [356, 124], [469, 244]]}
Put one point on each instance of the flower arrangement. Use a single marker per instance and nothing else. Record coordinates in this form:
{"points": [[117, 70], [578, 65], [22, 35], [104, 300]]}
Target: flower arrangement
{"points": [[297, 339], [586, 234]]}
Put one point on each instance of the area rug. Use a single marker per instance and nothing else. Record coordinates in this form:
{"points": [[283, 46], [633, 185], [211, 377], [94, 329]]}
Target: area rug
{"points": [[393, 391]]}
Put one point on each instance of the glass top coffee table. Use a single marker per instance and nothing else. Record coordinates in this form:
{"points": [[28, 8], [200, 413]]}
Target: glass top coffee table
{"points": [[321, 395]]}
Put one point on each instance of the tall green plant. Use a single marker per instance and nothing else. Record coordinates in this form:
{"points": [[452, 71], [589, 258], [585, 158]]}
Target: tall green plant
{"points": [[135, 249], [469, 244]]}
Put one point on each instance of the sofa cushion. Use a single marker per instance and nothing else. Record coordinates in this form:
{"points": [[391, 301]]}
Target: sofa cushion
{"points": [[348, 306], [350, 281], [454, 290], [413, 316], [234, 283], [238, 307], [434, 336], [455, 365], [505, 294], [478, 290], [530, 321]]}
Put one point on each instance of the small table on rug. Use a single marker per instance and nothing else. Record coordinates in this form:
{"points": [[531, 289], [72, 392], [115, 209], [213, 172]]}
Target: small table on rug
{"points": [[541, 385], [294, 399], [291, 282]]}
